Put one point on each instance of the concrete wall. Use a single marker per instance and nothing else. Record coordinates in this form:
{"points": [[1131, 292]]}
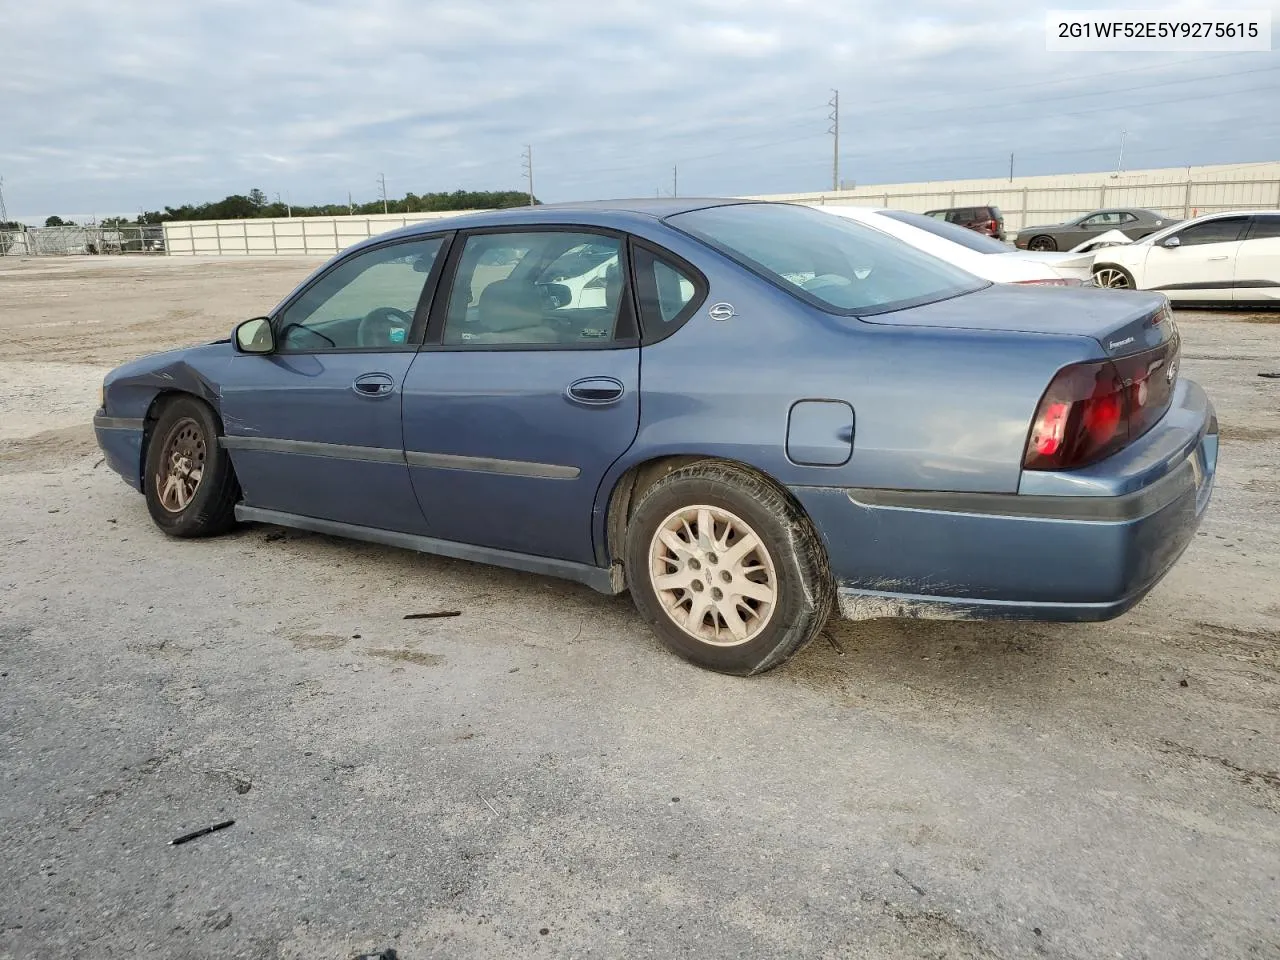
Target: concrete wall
{"points": [[1025, 201], [1174, 191], [319, 236]]}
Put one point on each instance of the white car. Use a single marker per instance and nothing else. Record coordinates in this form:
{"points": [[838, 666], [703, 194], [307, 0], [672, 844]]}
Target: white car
{"points": [[980, 255], [1222, 258]]}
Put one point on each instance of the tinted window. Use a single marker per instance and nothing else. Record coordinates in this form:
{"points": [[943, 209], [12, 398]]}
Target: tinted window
{"points": [[365, 302], [1111, 218], [831, 262], [548, 287], [1212, 231], [1265, 228], [948, 231], [665, 291]]}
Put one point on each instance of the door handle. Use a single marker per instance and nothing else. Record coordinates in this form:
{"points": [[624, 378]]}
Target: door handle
{"points": [[374, 385], [595, 391], [1211, 259]]}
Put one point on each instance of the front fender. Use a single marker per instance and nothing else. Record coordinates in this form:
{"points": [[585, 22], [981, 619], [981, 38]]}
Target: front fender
{"points": [[131, 390]]}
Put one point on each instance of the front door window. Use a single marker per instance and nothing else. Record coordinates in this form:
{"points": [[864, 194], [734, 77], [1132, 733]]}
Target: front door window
{"points": [[365, 303]]}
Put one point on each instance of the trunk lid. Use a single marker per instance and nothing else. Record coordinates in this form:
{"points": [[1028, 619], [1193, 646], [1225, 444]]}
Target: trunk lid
{"points": [[1122, 322], [1052, 259]]}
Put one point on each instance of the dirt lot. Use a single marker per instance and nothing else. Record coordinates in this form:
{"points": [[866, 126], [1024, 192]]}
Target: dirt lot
{"points": [[536, 777]]}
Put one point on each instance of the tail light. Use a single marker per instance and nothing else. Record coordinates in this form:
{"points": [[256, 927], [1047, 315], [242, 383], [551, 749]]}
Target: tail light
{"points": [[1091, 410], [992, 227]]}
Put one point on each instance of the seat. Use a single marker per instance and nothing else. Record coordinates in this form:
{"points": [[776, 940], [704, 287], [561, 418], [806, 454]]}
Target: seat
{"points": [[511, 312]]}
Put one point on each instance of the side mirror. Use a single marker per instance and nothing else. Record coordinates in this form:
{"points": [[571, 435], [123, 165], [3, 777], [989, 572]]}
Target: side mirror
{"points": [[1171, 243], [254, 336]]}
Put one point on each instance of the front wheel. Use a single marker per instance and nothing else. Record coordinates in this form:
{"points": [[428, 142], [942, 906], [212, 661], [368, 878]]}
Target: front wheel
{"points": [[728, 572], [1043, 244], [190, 486], [1115, 278]]}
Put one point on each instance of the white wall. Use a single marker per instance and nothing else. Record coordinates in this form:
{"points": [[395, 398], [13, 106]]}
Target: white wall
{"points": [[1174, 191], [320, 236]]}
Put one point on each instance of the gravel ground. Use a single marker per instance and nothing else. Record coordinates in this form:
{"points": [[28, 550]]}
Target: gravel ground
{"points": [[537, 777]]}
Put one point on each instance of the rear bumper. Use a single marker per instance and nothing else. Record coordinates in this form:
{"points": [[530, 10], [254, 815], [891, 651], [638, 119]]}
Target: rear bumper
{"points": [[1084, 546], [121, 442]]}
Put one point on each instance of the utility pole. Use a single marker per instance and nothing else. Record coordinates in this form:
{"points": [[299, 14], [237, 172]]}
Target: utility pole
{"points": [[351, 207], [382, 183], [1011, 168], [834, 130], [528, 169], [675, 180], [1120, 161], [288, 208]]}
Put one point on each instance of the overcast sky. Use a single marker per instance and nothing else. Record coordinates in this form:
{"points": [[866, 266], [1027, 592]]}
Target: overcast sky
{"points": [[110, 106]]}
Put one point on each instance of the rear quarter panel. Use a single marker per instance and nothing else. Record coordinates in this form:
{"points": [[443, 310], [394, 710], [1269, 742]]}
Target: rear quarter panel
{"points": [[934, 409]]}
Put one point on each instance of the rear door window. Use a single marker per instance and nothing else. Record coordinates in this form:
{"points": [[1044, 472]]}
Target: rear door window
{"points": [[1265, 228], [549, 288]]}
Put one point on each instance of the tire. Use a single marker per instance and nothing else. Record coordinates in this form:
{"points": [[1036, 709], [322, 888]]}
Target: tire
{"points": [[1113, 277], [184, 440], [1042, 243], [789, 560]]}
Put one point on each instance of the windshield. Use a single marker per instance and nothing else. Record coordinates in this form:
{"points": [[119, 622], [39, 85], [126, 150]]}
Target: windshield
{"points": [[830, 262], [969, 239]]}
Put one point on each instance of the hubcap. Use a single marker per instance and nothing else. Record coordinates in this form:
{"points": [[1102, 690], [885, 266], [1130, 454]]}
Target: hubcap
{"points": [[713, 575], [1112, 278], [1041, 243], [181, 465]]}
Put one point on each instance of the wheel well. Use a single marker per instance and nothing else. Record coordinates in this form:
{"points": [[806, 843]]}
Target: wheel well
{"points": [[633, 484], [152, 417]]}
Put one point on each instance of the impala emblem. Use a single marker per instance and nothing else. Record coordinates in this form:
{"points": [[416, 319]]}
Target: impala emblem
{"points": [[721, 311]]}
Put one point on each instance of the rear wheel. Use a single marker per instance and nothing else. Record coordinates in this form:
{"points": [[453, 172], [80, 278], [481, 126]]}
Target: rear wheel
{"points": [[190, 487], [1042, 243], [1116, 278], [728, 572]]}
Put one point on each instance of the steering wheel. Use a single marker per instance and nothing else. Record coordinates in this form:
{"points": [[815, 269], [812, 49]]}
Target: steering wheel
{"points": [[383, 327]]}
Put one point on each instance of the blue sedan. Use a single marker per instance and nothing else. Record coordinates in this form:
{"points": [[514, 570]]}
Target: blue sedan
{"points": [[750, 415]]}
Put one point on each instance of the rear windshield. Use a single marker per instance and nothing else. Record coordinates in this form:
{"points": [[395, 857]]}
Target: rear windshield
{"points": [[831, 262], [977, 242]]}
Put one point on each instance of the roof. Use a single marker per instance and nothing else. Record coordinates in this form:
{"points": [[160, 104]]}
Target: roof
{"points": [[619, 214]]}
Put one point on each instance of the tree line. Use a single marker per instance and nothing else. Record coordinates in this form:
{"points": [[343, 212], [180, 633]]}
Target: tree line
{"points": [[255, 204]]}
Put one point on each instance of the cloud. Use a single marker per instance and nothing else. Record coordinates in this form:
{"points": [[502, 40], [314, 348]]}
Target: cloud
{"points": [[115, 105]]}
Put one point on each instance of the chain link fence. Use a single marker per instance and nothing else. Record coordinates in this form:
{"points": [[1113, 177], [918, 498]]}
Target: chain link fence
{"points": [[74, 240]]}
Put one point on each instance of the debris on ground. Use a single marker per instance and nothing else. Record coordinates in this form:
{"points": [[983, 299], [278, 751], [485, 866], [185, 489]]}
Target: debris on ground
{"points": [[186, 837], [433, 615]]}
